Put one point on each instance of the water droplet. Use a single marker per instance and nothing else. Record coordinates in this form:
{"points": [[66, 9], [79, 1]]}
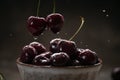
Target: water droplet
{"points": [[31, 23], [104, 10], [60, 49], [35, 37], [107, 15], [86, 45]]}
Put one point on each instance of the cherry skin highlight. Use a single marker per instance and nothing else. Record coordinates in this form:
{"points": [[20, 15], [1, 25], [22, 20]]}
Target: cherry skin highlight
{"points": [[87, 57], [68, 47], [46, 54], [54, 45], [59, 59], [36, 25], [55, 22], [28, 54], [41, 60], [39, 47]]}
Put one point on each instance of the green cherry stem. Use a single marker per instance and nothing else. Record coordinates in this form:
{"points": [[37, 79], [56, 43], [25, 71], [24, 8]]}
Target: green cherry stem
{"points": [[82, 22], [38, 7], [54, 6]]}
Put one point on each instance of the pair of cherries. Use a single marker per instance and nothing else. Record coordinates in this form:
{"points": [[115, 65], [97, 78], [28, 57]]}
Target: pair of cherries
{"points": [[53, 22]]}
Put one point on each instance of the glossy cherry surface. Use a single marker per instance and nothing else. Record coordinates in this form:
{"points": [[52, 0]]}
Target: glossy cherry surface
{"points": [[54, 45], [68, 47], [46, 54], [40, 48], [87, 57], [36, 25], [55, 22], [41, 60], [59, 59], [28, 53]]}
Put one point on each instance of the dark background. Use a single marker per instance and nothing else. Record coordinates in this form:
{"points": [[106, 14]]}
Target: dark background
{"points": [[100, 32]]}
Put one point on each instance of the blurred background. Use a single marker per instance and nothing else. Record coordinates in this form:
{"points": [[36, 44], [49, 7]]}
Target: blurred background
{"points": [[100, 33]]}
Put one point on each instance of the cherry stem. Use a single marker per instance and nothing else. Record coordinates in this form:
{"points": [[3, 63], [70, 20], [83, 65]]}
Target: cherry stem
{"points": [[38, 7], [82, 19], [1, 77], [54, 6]]}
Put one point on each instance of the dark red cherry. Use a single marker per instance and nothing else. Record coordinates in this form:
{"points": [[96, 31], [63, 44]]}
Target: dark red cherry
{"points": [[39, 47], [41, 60], [46, 54], [78, 51], [87, 57], [55, 22], [68, 47], [28, 53], [115, 73], [36, 25], [59, 59], [54, 45], [75, 54]]}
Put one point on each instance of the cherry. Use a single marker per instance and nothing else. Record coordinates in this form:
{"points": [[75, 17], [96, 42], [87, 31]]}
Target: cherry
{"points": [[55, 22], [59, 59], [87, 57], [41, 60], [116, 73], [28, 53], [39, 47], [36, 25], [46, 54], [68, 47], [76, 54], [54, 45]]}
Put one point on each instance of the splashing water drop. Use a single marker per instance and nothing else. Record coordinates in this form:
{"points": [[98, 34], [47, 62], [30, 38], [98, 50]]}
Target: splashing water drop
{"points": [[107, 15], [42, 33], [104, 10]]}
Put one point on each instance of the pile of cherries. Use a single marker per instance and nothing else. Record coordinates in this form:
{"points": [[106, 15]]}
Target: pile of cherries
{"points": [[37, 25], [61, 53]]}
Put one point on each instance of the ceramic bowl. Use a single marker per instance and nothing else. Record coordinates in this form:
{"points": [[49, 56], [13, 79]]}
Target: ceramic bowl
{"points": [[32, 72]]}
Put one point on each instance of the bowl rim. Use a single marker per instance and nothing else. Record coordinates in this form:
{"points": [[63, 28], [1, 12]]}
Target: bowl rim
{"points": [[49, 66]]}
